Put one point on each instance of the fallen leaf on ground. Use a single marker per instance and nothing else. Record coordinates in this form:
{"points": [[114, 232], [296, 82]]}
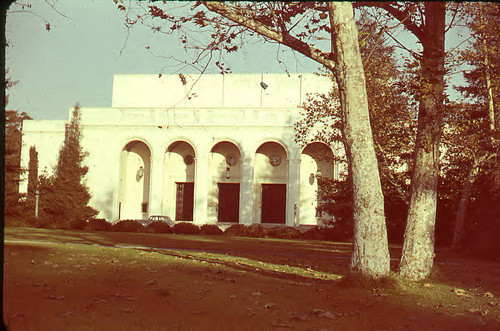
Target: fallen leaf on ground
{"points": [[299, 318], [478, 311], [128, 310], [151, 282], [461, 293], [56, 297], [322, 313]]}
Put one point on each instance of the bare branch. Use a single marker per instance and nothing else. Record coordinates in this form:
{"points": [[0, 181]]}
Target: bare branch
{"points": [[283, 38], [400, 15], [57, 11]]}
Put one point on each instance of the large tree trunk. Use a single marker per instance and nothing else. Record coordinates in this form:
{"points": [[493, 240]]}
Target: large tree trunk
{"points": [[370, 256], [418, 248]]}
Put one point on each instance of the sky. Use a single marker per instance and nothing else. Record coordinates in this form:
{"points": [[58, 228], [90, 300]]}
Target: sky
{"points": [[74, 62]]}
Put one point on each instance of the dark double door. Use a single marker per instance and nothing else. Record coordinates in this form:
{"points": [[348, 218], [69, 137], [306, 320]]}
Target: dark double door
{"points": [[229, 202], [273, 203]]}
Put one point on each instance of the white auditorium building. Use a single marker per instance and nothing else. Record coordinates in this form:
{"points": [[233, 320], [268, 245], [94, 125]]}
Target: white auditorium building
{"points": [[208, 149]]}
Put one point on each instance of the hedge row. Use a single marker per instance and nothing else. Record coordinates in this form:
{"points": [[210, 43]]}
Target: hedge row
{"points": [[237, 230]]}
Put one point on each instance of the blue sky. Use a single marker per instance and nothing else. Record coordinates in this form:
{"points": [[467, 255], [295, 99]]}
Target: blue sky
{"points": [[75, 61]]}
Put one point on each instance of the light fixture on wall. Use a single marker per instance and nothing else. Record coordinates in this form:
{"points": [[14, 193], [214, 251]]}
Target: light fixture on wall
{"points": [[140, 172], [311, 178], [228, 173]]}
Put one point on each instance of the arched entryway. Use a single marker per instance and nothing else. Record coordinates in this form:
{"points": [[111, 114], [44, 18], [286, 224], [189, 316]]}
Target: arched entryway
{"points": [[179, 176], [135, 169], [270, 183], [317, 171], [224, 183]]}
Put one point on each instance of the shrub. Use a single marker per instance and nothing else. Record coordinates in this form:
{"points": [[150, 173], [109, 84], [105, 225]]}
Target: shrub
{"points": [[237, 230], [186, 228], [98, 224], [129, 226], [283, 232], [21, 221], [256, 231], [159, 227], [212, 229], [78, 224]]}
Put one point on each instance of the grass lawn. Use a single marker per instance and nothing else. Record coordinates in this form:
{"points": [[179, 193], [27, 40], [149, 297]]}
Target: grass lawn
{"points": [[76, 280]]}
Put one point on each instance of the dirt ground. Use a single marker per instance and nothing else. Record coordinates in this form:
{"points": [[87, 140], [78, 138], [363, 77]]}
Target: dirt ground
{"points": [[75, 280]]}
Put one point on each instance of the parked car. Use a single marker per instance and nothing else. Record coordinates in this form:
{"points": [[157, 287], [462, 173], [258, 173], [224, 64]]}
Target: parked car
{"points": [[157, 218]]}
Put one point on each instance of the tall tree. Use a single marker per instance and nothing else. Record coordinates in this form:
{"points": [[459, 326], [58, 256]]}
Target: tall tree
{"points": [[32, 173], [482, 121], [298, 25], [65, 197], [425, 21], [13, 136], [392, 119]]}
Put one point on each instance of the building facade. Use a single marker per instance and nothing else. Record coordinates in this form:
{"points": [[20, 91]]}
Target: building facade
{"points": [[207, 149]]}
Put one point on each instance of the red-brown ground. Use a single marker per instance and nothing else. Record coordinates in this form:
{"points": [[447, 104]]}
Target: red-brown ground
{"points": [[75, 280]]}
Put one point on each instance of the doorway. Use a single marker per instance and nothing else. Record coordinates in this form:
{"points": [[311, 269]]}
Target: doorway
{"points": [[229, 202], [273, 203], [184, 202]]}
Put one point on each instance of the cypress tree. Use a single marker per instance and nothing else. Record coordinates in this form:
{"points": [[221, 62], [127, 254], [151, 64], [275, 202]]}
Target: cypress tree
{"points": [[32, 173], [66, 200]]}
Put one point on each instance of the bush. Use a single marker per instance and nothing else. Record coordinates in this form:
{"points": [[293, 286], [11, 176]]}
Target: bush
{"points": [[236, 230], [283, 232], [129, 226], [78, 224], [256, 231], [186, 228], [159, 227], [98, 224], [211, 229], [21, 221]]}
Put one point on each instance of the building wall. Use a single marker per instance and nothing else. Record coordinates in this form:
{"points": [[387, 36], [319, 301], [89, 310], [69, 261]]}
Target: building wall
{"points": [[230, 115]]}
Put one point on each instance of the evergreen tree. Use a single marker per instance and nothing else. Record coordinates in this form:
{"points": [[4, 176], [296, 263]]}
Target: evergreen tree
{"points": [[64, 197], [13, 136], [32, 173]]}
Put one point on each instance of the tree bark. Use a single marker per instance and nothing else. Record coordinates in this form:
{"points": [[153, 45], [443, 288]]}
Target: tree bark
{"points": [[418, 248], [464, 199], [370, 255]]}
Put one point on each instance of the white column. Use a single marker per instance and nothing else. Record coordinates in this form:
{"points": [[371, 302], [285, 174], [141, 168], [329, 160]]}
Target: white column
{"points": [[246, 190], [201, 189], [156, 188], [293, 193]]}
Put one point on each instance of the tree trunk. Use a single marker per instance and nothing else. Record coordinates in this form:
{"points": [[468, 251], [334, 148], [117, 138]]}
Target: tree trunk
{"points": [[418, 248], [464, 199], [370, 256]]}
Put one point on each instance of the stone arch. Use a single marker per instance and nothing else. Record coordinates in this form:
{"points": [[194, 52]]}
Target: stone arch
{"points": [[270, 182], [179, 176], [224, 173], [277, 141], [135, 180], [317, 169]]}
